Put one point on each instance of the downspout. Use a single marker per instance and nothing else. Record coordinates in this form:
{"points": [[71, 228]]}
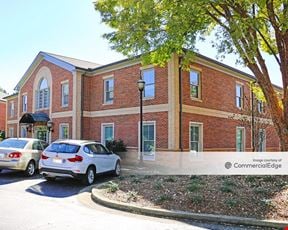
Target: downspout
{"points": [[82, 106], [253, 122], [180, 106]]}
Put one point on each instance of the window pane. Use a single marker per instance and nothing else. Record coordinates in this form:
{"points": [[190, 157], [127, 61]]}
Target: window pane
{"points": [[109, 88], [149, 91], [194, 91], [194, 78], [238, 90], [240, 140], [195, 146], [194, 133], [43, 84], [149, 76], [148, 138], [108, 132]]}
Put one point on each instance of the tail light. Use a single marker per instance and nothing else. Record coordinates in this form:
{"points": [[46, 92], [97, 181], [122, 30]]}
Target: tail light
{"points": [[44, 157], [14, 155], [77, 158]]}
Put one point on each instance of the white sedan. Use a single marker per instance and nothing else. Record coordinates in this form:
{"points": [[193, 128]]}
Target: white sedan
{"points": [[78, 159]]}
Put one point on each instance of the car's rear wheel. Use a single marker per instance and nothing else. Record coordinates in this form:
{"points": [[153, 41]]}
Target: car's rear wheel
{"points": [[117, 170], [89, 177], [30, 169], [0, 170]]}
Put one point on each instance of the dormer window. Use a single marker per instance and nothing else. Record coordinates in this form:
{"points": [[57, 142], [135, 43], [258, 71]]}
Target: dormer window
{"points": [[43, 95]]}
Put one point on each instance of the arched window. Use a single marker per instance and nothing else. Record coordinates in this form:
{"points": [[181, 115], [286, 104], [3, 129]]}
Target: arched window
{"points": [[42, 94]]}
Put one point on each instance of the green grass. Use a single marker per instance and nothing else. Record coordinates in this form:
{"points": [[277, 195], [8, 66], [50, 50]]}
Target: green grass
{"points": [[232, 203], [196, 199], [162, 198]]}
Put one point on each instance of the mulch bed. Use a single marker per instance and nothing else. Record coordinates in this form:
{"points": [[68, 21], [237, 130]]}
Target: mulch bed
{"points": [[262, 197]]}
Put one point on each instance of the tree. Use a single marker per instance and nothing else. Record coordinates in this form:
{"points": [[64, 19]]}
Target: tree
{"points": [[247, 28]]}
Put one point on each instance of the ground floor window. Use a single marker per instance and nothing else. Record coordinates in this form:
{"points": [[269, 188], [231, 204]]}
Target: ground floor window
{"points": [[149, 137], [196, 134], [262, 140], [64, 131], [11, 132], [107, 133], [23, 131], [240, 139]]}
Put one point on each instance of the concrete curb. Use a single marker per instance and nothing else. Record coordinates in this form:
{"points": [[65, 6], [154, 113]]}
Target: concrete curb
{"points": [[97, 197]]}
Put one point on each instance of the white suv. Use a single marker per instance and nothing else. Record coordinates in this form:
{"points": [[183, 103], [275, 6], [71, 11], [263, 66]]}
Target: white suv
{"points": [[78, 159]]}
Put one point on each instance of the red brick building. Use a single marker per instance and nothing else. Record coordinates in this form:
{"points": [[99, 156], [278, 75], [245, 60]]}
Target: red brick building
{"points": [[84, 100]]}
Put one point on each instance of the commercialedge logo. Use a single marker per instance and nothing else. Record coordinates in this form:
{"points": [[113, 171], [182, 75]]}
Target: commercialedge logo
{"points": [[267, 165]]}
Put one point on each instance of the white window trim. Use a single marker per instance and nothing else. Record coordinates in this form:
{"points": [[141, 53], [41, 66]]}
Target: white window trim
{"points": [[244, 137], [142, 77], [242, 95], [199, 98], [107, 78], [12, 114], [155, 137], [24, 111], [102, 131], [11, 130], [62, 94], [60, 129], [23, 127], [200, 125], [264, 145]]}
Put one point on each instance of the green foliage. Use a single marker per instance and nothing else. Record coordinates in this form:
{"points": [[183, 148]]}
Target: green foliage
{"points": [[232, 202], [116, 146], [228, 186], [2, 135], [112, 186], [132, 196], [196, 199], [162, 198], [158, 185]]}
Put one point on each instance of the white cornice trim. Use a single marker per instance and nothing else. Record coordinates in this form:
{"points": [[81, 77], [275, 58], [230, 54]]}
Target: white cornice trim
{"points": [[62, 114], [10, 122], [126, 111]]}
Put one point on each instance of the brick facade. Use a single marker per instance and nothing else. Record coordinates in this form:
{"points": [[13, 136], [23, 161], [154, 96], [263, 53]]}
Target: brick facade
{"points": [[87, 112], [2, 115]]}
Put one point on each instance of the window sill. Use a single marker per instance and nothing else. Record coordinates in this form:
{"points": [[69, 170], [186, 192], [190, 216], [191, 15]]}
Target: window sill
{"points": [[148, 98], [64, 106], [196, 99], [108, 103]]}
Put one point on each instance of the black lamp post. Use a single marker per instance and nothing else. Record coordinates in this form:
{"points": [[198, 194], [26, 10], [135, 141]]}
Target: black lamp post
{"points": [[141, 86]]}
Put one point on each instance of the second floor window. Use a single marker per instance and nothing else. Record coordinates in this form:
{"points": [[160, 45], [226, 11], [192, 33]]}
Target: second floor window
{"points": [[260, 106], [43, 95], [108, 90], [24, 103], [12, 109], [65, 94], [149, 78], [195, 87], [239, 96]]}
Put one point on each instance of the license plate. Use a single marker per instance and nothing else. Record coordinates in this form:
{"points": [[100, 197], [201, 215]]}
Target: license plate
{"points": [[58, 161], [2, 155]]}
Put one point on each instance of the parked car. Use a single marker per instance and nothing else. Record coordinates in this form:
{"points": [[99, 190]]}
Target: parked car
{"points": [[78, 159], [21, 154]]}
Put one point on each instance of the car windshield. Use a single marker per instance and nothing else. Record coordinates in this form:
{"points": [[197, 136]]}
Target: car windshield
{"points": [[63, 148], [13, 143]]}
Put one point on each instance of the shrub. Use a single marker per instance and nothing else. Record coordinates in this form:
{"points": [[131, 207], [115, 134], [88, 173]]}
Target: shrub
{"points": [[112, 187], [132, 196], [116, 146]]}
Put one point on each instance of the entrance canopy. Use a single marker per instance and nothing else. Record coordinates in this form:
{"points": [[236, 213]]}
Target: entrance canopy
{"points": [[31, 118]]}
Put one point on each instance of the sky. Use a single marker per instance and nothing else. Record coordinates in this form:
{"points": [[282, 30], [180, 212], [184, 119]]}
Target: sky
{"points": [[67, 27]]}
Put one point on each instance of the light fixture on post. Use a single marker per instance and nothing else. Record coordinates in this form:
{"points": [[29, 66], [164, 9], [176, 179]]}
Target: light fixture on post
{"points": [[29, 128], [50, 129], [141, 86], [50, 126]]}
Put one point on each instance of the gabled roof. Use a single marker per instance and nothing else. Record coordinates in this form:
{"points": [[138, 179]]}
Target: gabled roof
{"points": [[76, 62], [2, 95], [68, 63]]}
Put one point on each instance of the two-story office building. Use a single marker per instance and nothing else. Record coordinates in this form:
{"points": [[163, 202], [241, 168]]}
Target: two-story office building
{"points": [[62, 97]]}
